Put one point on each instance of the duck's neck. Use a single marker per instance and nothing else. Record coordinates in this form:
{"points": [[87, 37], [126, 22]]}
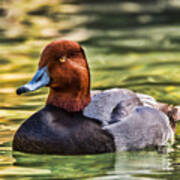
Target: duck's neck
{"points": [[68, 101]]}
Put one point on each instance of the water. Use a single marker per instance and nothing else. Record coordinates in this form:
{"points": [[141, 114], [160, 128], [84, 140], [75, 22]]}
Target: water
{"points": [[128, 44]]}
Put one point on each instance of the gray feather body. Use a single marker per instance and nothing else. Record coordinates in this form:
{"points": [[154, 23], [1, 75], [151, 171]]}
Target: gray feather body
{"points": [[104, 102], [130, 118]]}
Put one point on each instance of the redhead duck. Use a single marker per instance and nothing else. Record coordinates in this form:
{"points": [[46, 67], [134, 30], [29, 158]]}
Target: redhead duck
{"points": [[77, 121]]}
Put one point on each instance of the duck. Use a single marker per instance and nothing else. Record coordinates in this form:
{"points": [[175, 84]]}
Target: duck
{"points": [[78, 121]]}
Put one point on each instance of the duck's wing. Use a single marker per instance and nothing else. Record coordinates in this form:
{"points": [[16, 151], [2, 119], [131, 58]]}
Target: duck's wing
{"points": [[136, 121], [144, 127], [112, 105]]}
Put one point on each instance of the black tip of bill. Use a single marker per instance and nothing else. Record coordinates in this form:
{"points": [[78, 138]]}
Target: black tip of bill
{"points": [[21, 90]]}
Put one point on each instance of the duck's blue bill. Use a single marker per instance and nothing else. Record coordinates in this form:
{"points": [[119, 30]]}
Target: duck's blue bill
{"points": [[40, 79]]}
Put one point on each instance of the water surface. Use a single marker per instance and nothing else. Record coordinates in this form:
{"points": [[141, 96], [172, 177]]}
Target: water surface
{"points": [[134, 45]]}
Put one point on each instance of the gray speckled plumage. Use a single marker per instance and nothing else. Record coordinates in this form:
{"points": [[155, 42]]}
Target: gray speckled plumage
{"points": [[131, 118], [104, 102], [144, 127]]}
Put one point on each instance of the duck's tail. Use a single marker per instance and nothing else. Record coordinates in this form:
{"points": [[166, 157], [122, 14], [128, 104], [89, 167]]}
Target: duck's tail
{"points": [[173, 112]]}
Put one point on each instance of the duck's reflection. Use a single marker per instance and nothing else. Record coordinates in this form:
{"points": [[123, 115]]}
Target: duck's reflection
{"points": [[67, 166], [114, 165]]}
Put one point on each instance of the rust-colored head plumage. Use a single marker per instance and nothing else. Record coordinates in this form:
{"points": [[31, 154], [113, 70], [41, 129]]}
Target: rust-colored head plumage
{"points": [[69, 73], [60, 48], [63, 67]]}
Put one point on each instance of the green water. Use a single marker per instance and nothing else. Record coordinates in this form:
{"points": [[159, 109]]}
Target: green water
{"points": [[129, 44]]}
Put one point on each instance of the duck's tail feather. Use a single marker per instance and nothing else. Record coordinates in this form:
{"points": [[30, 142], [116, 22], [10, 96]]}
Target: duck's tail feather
{"points": [[173, 112]]}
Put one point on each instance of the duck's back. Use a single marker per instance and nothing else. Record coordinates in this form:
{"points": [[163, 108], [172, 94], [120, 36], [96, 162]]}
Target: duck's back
{"points": [[134, 120], [55, 131], [104, 103]]}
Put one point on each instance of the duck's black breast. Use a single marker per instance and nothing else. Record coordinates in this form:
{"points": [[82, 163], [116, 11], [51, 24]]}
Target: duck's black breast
{"points": [[55, 131]]}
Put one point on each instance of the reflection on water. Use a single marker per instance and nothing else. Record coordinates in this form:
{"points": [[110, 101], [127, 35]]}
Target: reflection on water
{"points": [[127, 165], [133, 44]]}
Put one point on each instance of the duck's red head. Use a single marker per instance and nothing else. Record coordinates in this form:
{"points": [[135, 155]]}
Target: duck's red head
{"points": [[63, 67]]}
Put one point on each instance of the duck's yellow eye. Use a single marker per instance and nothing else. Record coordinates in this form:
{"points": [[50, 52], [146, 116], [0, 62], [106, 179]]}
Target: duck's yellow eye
{"points": [[62, 59]]}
